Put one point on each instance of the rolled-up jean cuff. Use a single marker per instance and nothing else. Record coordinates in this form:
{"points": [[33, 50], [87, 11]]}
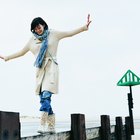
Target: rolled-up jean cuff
{"points": [[45, 101]]}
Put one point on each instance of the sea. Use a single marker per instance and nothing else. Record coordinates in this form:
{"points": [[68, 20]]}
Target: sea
{"points": [[29, 128]]}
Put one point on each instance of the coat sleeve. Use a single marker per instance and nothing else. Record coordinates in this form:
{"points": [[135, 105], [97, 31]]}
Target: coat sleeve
{"points": [[19, 53], [61, 35]]}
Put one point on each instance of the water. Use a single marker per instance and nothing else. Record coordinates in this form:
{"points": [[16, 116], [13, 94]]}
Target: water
{"points": [[30, 128]]}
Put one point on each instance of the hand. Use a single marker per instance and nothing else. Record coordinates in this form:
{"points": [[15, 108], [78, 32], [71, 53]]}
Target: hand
{"points": [[88, 20], [2, 57]]}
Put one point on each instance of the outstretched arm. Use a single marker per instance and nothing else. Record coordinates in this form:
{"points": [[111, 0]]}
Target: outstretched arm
{"points": [[17, 54], [61, 35]]}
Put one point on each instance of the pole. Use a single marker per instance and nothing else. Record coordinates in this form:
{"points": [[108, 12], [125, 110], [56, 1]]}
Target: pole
{"points": [[128, 128], [78, 130], [105, 127], [130, 105], [119, 128]]}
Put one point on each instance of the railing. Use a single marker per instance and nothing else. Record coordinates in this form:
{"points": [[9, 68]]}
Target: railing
{"points": [[10, 129]]}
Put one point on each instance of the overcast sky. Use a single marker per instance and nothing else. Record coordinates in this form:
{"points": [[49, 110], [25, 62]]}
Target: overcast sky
{"points": [[90, 63]]}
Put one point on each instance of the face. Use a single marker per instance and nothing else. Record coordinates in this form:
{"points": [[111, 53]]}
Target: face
{"points": [[39, 29]]}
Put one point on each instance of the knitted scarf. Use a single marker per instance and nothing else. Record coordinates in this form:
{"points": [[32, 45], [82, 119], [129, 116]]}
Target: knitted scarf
{"points": [[43, 49]]}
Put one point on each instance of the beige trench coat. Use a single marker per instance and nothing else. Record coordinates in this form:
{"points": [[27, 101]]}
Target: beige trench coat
{"points": [[47, 76]]}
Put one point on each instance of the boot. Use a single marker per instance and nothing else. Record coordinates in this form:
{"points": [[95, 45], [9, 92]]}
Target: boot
{"points": [[42, 128], [51, 123]]}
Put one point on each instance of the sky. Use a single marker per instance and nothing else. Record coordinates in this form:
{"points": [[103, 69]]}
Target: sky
{"points": [[90, 63]]}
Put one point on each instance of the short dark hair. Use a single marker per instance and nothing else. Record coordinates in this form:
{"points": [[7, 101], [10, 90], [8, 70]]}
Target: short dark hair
{"points": [[36, 21]]}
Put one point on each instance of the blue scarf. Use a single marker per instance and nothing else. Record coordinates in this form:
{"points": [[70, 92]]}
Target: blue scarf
{"points": [[43, 49]]}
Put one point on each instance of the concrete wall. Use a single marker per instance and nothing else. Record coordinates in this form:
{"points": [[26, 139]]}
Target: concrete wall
{"points": [[91, 133], [57, 136]]}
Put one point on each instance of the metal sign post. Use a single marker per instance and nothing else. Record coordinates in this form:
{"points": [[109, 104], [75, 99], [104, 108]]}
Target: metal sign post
{"points": [[130, 79], [130, 106]]}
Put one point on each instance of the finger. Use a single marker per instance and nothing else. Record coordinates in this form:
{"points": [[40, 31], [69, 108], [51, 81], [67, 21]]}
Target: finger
{"points": [[88, 23], [88, 17]]}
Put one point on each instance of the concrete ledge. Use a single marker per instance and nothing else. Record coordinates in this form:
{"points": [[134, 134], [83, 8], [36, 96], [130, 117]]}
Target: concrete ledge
{"points": [[57, 136], [90, 134]]}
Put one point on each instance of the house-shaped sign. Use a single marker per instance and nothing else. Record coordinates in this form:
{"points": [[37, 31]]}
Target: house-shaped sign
{"points": [[129, 79]]}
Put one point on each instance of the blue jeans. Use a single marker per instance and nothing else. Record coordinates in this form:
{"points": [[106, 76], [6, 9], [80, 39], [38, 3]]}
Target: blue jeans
{"points": [[45, 101]]}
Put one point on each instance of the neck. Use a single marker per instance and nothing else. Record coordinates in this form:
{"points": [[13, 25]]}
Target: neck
{"points": [[43, 36]]}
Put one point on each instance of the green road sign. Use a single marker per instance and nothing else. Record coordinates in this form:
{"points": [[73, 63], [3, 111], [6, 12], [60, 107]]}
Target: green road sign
{"points": [[129, 79]]}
